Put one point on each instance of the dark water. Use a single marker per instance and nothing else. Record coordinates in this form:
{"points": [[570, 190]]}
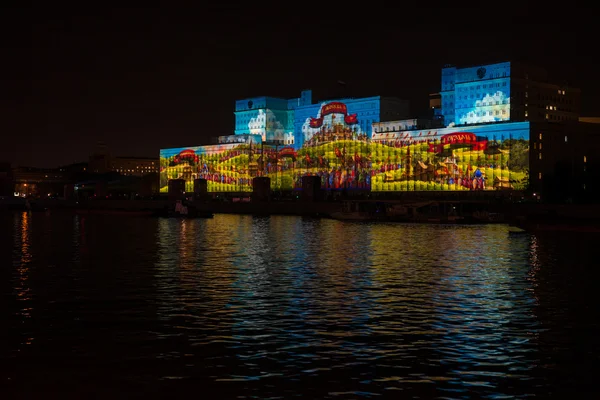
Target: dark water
{"points": [[286, 307]]}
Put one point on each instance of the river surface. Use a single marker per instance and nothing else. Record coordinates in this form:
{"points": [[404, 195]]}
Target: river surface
{"points": [[282, 307]]}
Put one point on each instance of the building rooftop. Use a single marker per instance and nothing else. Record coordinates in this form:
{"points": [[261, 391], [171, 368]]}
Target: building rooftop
{"points": [[137, 158]]}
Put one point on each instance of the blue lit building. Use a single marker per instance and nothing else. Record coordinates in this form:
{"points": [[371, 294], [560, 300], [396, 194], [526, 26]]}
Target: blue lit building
{"points": [[502, 92], [494, 127], [476, 94], [365, 111], [271, 118], [288, 121]]}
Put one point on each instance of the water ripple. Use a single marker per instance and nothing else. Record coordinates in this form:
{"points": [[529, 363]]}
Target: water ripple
{"points": [[282, 307]]}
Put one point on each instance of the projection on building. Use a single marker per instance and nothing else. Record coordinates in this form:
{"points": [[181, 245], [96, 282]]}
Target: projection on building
{"points": [[475, 157]]}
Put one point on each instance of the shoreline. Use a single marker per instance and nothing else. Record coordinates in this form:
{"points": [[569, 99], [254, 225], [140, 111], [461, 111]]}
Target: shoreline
{"points": [[526, 216]]}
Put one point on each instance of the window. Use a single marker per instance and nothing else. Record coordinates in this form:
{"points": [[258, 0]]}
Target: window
{"points": [[540, 157], [540, 136], [584, 159], [566, 139], [540, 146], [539, 175]]}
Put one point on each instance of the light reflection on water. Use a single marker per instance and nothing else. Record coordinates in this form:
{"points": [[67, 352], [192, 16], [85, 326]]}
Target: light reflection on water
{"points": [[288, 306]]}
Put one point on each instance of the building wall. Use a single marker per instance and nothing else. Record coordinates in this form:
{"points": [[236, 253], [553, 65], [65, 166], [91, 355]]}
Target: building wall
{"points": [[134, 166], [270, 124], [393, 109], [541, 101], [507, 91], [477, 157], [435, 101], [591, 120], [271, 118], [474, 157], [476, 94], [565, 166], [367, 111], [99, 163], [38, 181], [246, 138], [228, 167], [403, 125]]}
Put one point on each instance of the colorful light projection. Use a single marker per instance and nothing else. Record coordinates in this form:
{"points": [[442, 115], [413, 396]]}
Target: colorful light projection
{"points": [[477, 157], [226, 167]]}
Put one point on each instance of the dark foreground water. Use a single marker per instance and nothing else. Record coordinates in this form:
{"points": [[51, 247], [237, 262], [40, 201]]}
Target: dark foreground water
{"points": [[286, 307]]}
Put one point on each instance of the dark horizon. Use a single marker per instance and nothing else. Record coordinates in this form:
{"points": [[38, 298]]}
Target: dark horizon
{"points": [[144, 79]]}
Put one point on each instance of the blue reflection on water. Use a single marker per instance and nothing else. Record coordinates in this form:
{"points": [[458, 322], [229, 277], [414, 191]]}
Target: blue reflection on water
{"points": [[273, 307]]}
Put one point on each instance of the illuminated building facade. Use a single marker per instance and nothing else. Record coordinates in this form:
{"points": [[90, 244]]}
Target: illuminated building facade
{"points": [[358, 115], [502, 92], [293, 121], [476, 157], [405, 125], [286, 139], [475, 95], [270, 118], [492, 116], [414, 155]]}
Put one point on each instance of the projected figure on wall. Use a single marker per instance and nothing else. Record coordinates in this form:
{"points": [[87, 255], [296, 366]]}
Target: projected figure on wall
{"points": [[335, 149]]}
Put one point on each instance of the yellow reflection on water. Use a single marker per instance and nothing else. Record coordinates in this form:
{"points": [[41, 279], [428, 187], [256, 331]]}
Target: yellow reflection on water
{"points": [[22, 255], [21, 259]]}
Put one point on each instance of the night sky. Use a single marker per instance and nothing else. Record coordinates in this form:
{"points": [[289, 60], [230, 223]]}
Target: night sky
{"points": [[141, 79]]}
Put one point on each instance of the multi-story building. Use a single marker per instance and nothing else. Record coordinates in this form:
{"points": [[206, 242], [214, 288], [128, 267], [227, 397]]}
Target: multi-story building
{"points": [[435, 107], [358, 115], [272, 136], [135, 166], [269, 117], [45, 182], [101, 162], [504, 127], [293, 121], [503, 92], [555, 161], [564, 161]]}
